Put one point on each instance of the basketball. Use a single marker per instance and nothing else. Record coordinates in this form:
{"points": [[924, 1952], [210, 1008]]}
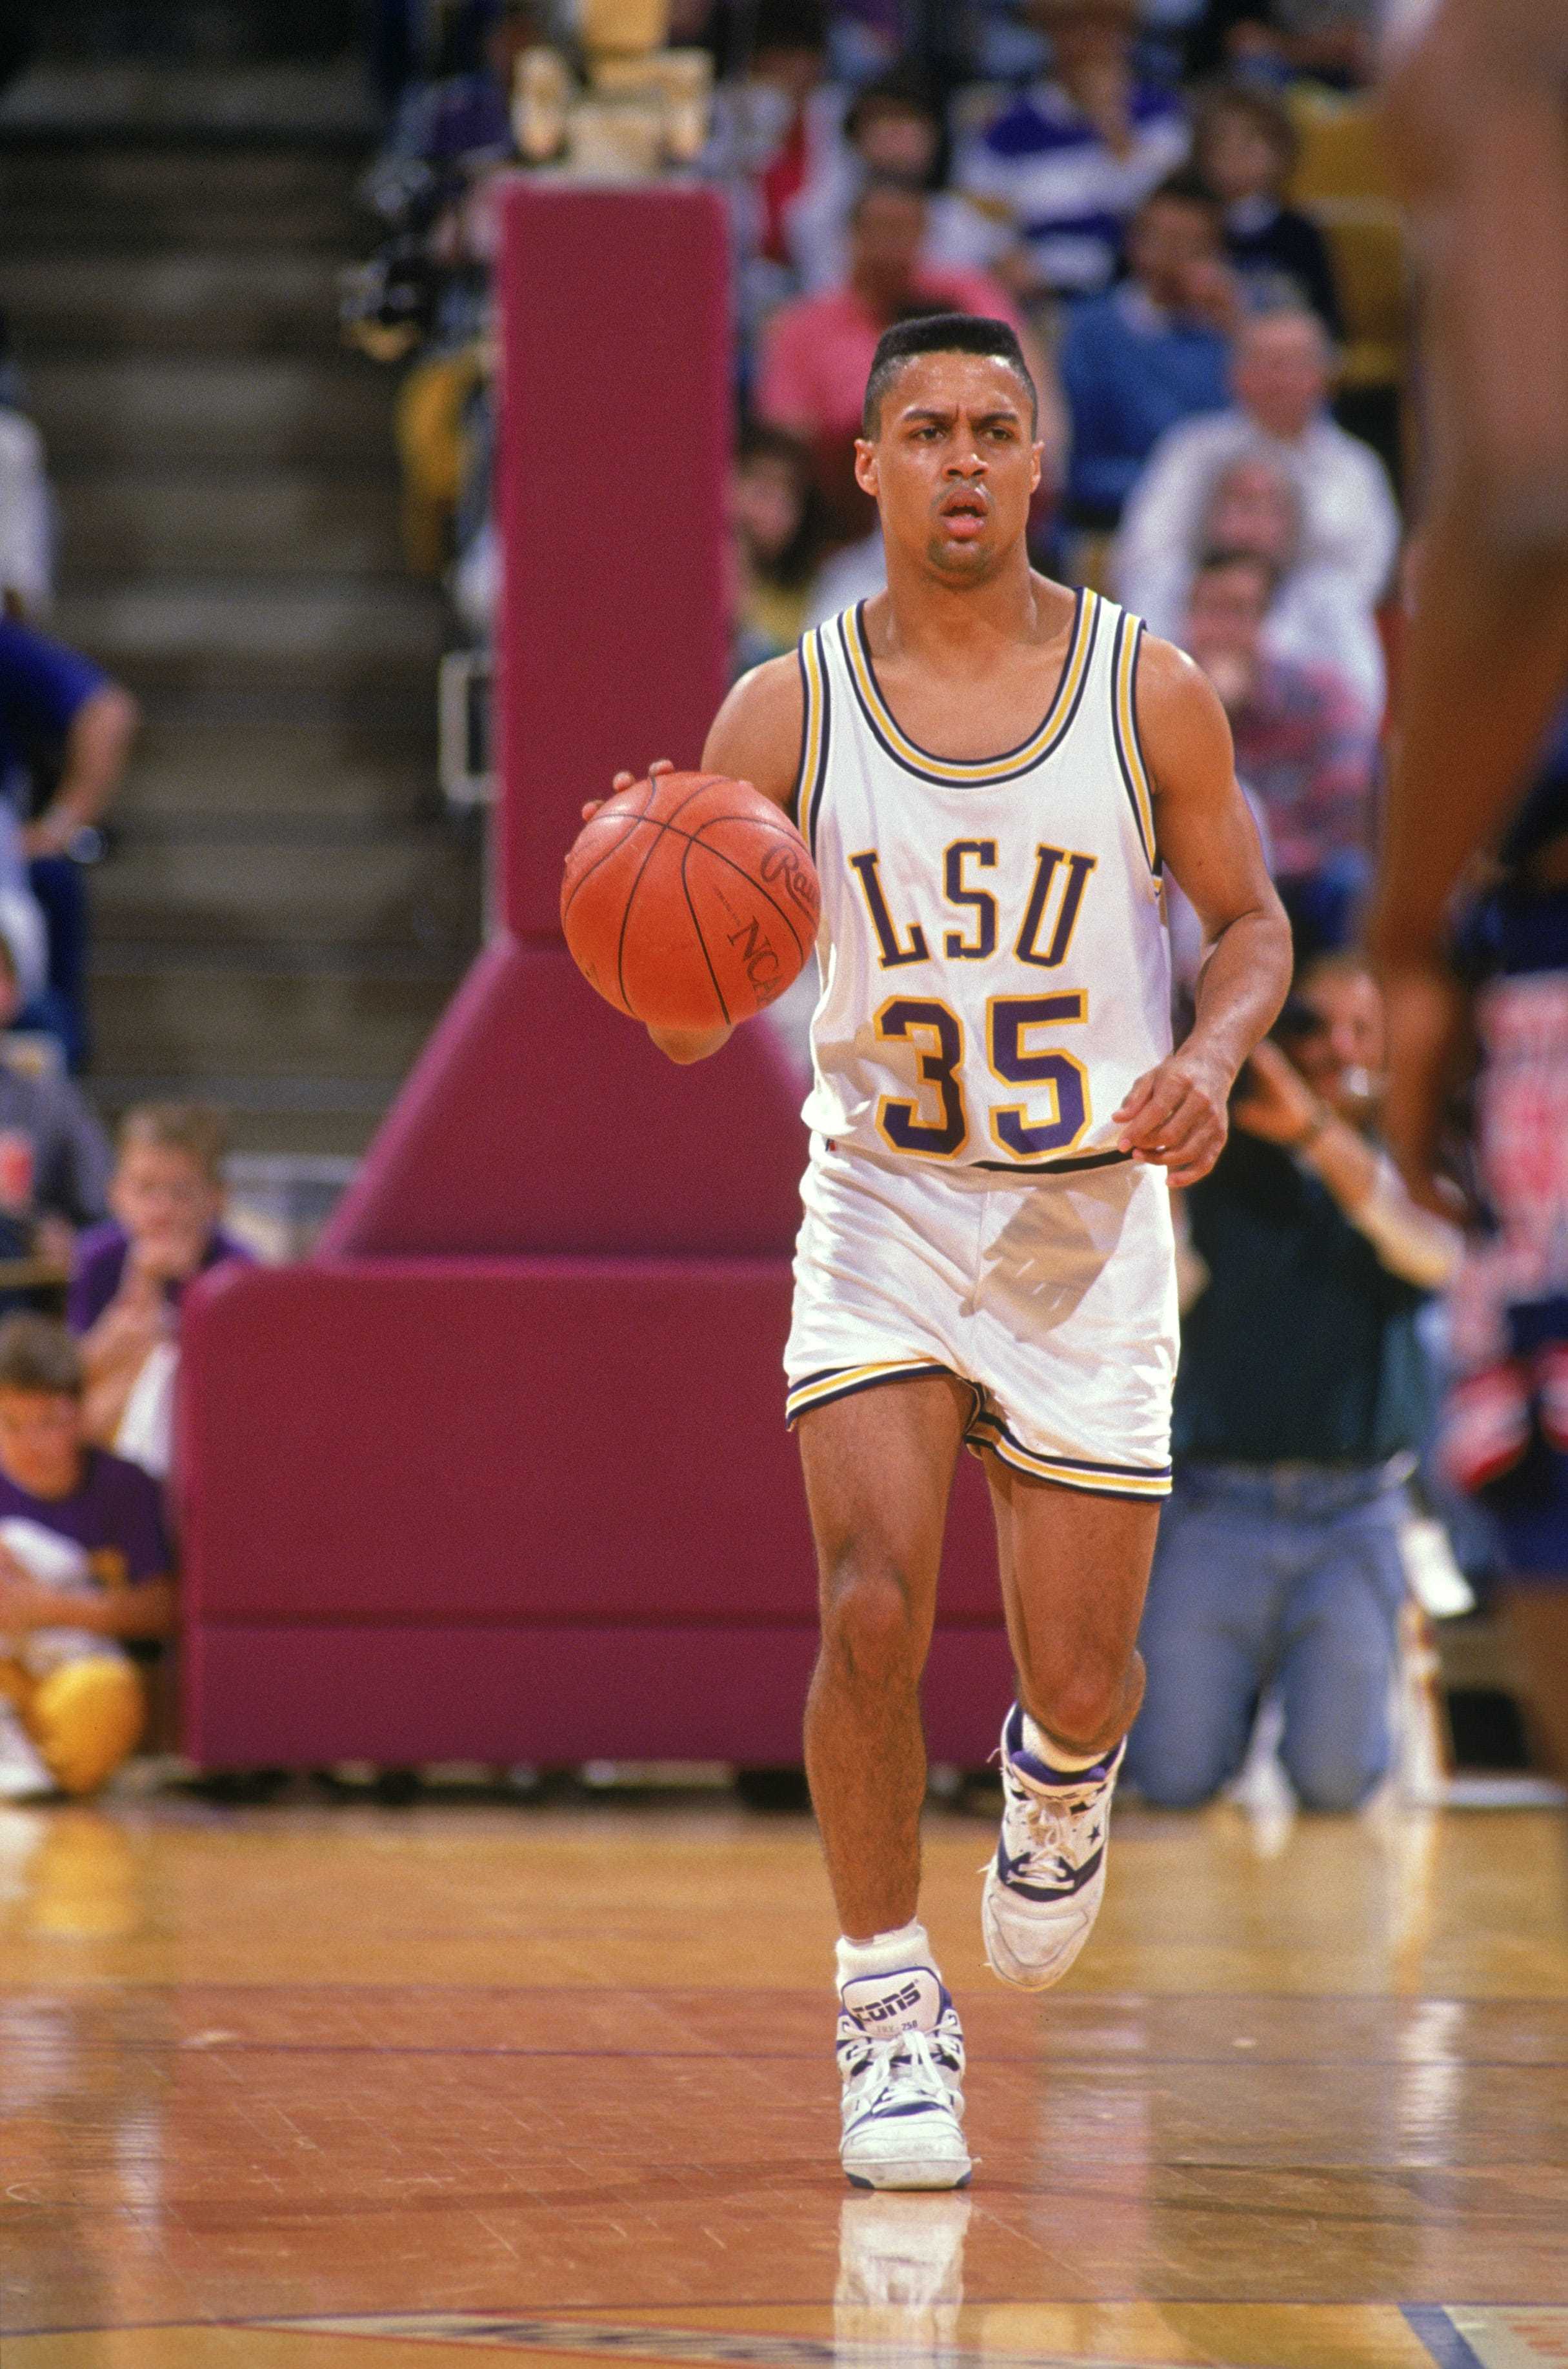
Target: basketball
{"points": [[690, 900]]}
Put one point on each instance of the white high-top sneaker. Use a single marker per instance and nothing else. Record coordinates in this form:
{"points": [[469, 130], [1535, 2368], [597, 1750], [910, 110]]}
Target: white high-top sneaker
{"points": [[1044, 1887], [903, 2089]]}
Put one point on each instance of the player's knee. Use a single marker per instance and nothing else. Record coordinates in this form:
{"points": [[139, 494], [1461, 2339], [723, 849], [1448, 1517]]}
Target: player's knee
{"points": [[85, 1718], [868, 1617], [1087, 1705]]}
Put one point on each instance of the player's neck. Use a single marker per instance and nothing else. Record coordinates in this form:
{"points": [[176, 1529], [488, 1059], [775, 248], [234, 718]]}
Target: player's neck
{"points": [[929, 621]]}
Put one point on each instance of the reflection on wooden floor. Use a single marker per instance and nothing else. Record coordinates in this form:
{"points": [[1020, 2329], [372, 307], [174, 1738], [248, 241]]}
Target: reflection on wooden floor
{"points": [[330, 2088]]}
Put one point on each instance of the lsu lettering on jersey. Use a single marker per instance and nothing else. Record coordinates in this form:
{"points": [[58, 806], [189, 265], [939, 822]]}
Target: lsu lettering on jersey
{"points": [[994, 977], [993, 954]]}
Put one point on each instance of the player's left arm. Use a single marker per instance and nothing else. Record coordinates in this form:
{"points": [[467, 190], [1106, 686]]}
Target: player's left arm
{"points": [[1174, 1118]]}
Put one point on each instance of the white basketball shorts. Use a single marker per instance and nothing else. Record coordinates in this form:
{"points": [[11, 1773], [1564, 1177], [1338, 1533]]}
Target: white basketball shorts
{"points": [[1055, 1300]]}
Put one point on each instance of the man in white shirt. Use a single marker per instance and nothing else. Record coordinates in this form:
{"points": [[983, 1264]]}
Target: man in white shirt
{"points": [[1350, 528]]}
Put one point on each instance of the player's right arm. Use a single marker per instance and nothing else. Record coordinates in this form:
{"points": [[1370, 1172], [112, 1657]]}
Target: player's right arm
{"points": [[754, 737]]}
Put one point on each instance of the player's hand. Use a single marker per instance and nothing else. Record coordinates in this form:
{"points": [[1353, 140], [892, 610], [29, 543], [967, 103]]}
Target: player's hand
{"points": [[1174, 1117], [628, 780]]}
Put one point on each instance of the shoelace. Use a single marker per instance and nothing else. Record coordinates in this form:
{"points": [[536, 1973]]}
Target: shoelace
{"points": [[906, 2061], [1050, 1820]]}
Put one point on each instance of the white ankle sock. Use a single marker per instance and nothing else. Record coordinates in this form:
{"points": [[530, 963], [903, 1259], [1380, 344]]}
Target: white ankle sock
{"points": [[1044, 1748], [885, 1953], [890, 1985]]}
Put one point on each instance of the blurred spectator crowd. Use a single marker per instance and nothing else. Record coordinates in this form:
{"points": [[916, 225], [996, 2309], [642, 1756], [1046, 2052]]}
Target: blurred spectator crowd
{"points": [[1179, 205], [1182, 209], [97, 1239]]}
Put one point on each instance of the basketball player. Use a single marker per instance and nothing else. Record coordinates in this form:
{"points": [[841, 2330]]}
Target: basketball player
{"points": [[1478, 113], [993, 774], [1478, 103]]}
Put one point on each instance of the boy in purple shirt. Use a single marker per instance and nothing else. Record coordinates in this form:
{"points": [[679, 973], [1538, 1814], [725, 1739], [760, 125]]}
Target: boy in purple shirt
{"points": [[84, 1567], [166, 1194]]}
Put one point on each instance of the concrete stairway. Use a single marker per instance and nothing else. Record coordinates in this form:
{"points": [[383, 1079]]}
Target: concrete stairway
{"points": [[285, 908]]}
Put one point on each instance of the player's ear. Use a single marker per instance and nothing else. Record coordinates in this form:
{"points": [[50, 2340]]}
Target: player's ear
{"points": [[1037, 453], [866, 466]]}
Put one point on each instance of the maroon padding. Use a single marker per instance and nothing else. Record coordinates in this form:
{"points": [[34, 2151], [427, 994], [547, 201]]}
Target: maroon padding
{"points": [[263, 1695], [615, 447], [538, 1441], [538, 1118]]}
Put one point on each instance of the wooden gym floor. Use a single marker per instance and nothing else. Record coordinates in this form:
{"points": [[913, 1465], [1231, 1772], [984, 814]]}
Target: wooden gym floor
{"points": [[338, 2087]]}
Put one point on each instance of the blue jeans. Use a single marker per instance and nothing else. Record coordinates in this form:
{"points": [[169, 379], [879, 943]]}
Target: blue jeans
{"points": [[1283, 1575]]}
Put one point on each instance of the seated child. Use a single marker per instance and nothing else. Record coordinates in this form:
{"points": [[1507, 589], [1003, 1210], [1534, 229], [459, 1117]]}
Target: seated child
{"points": [[84, 1567], [166, 1194]]}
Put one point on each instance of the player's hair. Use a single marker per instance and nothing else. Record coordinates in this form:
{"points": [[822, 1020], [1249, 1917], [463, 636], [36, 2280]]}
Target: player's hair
{"points": [[38, 1354], [1220, 556], [1183, 188], [942, 333], [195, 1128]]}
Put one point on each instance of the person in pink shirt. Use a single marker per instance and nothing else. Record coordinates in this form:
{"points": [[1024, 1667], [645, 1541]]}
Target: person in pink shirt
{"points": [[817, 351]]}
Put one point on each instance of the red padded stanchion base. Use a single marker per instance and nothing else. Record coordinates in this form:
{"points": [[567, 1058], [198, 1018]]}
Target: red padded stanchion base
{"points": [[448, 1474], [292, 1696]]}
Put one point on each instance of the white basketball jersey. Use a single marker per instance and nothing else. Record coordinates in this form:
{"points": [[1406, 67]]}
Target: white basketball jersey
{"points": [[993, 957]]}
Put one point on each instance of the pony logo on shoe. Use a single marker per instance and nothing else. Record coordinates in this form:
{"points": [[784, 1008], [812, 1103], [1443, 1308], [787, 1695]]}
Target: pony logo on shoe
{"points": [[910, 2000]]}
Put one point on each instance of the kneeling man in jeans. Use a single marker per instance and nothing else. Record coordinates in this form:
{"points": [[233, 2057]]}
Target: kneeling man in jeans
{"points": [[1301, 1396]]}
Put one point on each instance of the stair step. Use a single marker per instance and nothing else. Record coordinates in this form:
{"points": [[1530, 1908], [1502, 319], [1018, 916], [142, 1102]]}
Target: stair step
{"points": [[414, 893], [316, 1023], [270, 303], [287, 520], [346, 634], [200, 407], [280, 766], [327, 107]]}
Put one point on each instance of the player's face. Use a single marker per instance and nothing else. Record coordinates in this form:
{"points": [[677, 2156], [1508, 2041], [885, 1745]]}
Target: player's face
{"points": [[41, 1441], [953, 466]]}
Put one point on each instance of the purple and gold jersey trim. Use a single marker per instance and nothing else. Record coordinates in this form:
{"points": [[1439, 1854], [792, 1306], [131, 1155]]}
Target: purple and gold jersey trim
{"points": [[806, 800], [981, 771], [1124, 724]]}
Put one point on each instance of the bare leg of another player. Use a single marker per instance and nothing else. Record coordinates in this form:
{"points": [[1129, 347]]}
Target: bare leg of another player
{"points": [[879, 1472], [1478, 111]]}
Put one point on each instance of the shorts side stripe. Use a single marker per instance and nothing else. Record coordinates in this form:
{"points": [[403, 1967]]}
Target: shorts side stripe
{"points": [[842, 1382], [1070, 1472]]}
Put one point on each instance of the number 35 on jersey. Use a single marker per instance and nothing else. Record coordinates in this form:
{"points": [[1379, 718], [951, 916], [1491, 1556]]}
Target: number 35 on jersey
{"points": [[995, 971]]}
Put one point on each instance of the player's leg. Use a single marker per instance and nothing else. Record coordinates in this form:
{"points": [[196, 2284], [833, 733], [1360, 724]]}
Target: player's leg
{"points": [[1074, 1572], [1480, 135], [879, 1468]]}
